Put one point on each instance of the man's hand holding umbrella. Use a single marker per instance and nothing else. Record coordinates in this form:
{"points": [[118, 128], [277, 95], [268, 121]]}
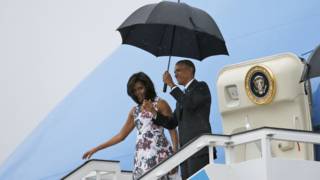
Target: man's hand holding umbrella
{"points": [[167, 79]]}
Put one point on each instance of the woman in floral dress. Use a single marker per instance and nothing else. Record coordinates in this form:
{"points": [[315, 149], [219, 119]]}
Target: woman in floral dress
{"points": [[152, 146]]}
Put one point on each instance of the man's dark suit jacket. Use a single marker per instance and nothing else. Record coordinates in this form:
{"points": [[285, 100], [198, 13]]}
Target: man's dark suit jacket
{"points": [[191, 113]]}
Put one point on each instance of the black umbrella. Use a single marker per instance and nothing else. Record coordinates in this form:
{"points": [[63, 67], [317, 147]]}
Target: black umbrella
{"points": [[312, 67], [173, 29]]}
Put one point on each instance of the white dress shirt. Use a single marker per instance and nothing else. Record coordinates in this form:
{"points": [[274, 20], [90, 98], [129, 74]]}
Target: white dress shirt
{"points": [[185, 87]]}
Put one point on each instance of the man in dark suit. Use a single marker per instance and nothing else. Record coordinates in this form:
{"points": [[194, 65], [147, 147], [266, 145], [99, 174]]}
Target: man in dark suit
{"points": [[191, 114]]}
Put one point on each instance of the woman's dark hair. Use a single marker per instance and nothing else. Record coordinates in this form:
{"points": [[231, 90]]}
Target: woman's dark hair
{"points": [[146, 81]]}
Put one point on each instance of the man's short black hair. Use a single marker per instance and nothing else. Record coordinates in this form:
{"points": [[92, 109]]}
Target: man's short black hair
{"points": [[146, 81], [189, 64]]}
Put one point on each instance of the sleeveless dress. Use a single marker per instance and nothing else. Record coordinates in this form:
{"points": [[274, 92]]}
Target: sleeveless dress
{"points": [[152, 146]]}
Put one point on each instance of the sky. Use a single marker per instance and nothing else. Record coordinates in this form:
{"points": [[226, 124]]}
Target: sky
{"points": [[47, 48], [64, 72]]}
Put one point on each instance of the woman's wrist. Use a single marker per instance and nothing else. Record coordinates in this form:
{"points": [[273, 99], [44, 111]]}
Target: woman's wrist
{"points": [[96, 149], [154, 114]]}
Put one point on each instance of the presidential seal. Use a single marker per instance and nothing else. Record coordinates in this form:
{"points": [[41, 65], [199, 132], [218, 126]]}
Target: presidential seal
{"points": [[260, 85]]}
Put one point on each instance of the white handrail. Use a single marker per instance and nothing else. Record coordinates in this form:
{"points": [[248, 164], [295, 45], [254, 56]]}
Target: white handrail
{"points": [[264, 135], [100, 167]]}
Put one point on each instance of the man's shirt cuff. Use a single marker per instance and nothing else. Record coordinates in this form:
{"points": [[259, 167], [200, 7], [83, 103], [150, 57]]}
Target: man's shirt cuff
{"points": [[173, 88]]}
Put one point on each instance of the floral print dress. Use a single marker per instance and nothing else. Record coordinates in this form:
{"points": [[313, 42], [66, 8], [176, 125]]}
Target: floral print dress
{"points": [[152, 146]]}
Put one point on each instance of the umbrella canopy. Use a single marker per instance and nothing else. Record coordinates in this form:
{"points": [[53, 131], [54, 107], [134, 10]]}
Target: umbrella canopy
{"points": [[312, 68], [173, 29]]}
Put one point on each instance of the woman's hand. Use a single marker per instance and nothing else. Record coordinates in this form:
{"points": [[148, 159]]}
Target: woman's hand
{"points": [[148, 106], [88, 154]]}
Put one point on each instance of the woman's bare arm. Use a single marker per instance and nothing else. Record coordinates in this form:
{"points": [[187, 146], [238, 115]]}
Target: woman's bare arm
{"points": [[164, 109], [124, 132], [174, 139]]}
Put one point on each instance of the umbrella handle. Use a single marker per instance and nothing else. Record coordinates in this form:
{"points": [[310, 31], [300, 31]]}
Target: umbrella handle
{"points": [[168, 66], [165, 88]]}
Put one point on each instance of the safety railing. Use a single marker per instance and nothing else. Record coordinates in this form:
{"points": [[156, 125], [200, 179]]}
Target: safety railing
{"points": [[98, 169], [264, 135]]}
